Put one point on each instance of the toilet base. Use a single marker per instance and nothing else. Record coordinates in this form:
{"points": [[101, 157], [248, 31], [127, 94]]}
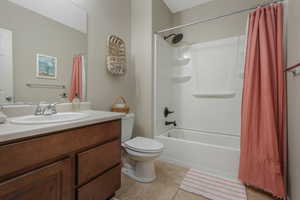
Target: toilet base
{"points": [[143, 171]]}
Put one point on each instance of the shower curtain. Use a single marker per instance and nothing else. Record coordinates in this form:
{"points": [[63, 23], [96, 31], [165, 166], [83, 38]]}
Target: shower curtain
{"points": [[263, 108], [76, 79]]}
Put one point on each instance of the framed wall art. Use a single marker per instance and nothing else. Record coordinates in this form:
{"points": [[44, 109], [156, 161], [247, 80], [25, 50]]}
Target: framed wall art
{"points": [[46, 66]]}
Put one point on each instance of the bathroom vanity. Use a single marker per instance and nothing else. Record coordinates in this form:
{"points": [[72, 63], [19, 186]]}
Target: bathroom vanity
{"points": [[78, 161]]}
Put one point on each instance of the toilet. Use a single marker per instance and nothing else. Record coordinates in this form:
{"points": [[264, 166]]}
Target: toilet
{"points": [[140, 153]]}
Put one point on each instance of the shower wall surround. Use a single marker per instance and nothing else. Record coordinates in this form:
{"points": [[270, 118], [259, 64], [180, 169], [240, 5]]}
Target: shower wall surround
{"points": [[202, 83]]}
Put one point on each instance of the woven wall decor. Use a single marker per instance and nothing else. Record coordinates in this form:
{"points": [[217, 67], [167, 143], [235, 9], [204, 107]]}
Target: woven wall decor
{"points": [[116, 59]]}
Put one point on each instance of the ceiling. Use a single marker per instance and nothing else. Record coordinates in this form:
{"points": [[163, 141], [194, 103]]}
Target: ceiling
{"points": [[180, 5]]}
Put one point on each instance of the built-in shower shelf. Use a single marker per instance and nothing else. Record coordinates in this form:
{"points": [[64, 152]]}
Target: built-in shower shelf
{"points": [[182, 61], [181, 79], [230, 94]]}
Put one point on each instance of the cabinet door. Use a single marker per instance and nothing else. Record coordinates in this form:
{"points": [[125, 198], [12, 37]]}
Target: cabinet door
{"points": [[52, 182], [102, 187]]}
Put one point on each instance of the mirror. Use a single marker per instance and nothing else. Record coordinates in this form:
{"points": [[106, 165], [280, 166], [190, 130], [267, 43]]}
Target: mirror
{"points": [[41, 59]]}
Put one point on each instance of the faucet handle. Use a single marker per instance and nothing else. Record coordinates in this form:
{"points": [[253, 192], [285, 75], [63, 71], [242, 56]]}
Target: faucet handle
{"points": [[52, 108], [54, 104], [39, 110]]}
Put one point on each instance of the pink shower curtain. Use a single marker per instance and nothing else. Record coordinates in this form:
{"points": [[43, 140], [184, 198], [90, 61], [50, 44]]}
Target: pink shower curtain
{"points": [[263, 107], [76, 79]]}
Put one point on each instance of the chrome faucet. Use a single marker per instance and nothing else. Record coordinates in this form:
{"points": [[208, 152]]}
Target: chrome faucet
{"points": [[50, 109]]}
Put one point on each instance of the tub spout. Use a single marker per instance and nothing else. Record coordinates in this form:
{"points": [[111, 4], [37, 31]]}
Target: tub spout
{"points": [[171, 123]]}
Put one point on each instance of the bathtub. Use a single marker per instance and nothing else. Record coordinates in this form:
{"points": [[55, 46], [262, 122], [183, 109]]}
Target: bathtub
{"points": [[212, 153]]}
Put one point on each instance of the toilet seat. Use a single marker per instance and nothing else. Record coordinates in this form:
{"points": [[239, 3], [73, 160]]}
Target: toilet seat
{"points": [[144, 145]]}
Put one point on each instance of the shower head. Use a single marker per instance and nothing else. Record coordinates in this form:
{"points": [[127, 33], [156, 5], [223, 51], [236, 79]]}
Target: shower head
{"points": [[176, 37]]}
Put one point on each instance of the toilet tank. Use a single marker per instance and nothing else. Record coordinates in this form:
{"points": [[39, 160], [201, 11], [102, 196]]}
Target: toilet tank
{"points": [[127, 126]]}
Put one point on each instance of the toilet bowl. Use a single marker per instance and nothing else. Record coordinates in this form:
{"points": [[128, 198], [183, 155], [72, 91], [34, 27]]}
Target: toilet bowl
{"points": [[140, 153]]}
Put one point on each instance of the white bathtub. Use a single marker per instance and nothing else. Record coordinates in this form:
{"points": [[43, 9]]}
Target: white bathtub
{"points": [[209, 152]]}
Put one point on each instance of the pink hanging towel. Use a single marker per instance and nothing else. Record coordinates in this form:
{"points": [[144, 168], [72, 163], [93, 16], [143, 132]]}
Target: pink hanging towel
{"points": [[76, 79]]}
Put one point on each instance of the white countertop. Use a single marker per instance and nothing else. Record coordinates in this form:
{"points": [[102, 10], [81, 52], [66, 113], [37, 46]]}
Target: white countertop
{"points": [[10, 131]]}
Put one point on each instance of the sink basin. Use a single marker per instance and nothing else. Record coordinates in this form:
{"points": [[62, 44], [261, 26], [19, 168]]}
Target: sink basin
{"points": [[56, 118]]}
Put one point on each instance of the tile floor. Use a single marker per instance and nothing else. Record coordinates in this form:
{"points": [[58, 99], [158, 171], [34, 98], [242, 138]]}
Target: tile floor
{"points": [[166, 187]]}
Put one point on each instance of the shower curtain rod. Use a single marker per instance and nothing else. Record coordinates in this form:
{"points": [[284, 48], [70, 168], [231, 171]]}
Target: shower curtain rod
{"points": [[219, 17]]}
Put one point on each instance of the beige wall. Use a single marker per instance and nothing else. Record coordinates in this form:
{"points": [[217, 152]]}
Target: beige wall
{"points": [[146, 18], [32, 34], [132, 20], [107, 17], [294, 100], [141, 56], [161, 16], [227, 27]]}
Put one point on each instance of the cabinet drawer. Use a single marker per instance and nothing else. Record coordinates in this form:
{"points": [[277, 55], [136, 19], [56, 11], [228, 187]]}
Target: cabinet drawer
{"points": [[52, 182], [102, 187], [21, 156], [95, 161]]}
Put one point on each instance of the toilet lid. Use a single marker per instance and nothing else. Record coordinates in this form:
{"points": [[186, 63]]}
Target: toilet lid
{"points": [[141, 144]]}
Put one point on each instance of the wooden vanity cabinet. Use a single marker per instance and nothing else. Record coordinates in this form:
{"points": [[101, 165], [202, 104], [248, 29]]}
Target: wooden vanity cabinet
{"points": [[52, 182], [77, 164]]}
